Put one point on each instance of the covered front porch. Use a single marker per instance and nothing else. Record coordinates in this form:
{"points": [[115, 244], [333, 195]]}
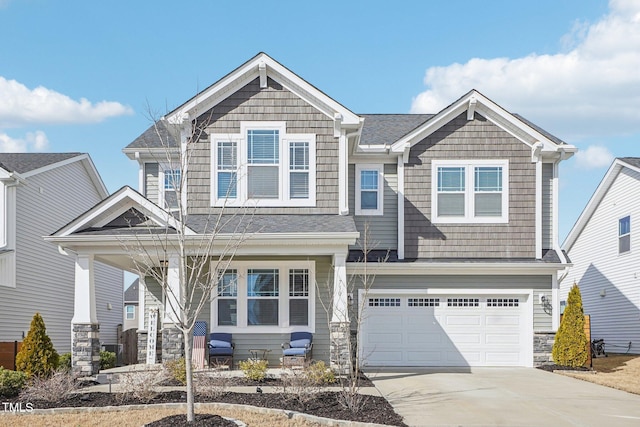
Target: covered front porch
{"points": [[289, 273]]}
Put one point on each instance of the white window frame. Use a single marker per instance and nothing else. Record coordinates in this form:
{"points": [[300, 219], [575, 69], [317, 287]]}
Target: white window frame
{"points": [[133, 312], [283, 326], [162, 167], [242, 198], [620, 236], [469, 192], [379, 168]]}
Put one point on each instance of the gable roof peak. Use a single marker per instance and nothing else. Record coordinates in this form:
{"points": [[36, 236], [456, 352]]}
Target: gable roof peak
{"points": [[262, 66]]}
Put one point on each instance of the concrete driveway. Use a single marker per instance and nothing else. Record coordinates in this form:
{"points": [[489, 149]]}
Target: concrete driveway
{"points": [[502, 397]]}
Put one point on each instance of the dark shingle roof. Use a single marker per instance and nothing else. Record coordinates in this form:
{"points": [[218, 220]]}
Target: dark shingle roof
{"points": [[633, 161], [380, 129], [159, 135], [131, 293], [238, 224], [26, 162], [274, 223]]}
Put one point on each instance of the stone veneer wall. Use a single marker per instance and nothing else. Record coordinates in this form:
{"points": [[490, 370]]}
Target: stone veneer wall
{"points": [[542, 346], [340, 347], [85, 349], [142, 347], [172, 344]]}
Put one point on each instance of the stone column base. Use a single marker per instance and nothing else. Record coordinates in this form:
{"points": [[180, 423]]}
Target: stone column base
{"points": [[172, 343], [142, 347], [340, 347], [542, 347], [85, 349]]}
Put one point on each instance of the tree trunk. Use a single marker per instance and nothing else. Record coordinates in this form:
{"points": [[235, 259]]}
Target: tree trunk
{"points": [[188, 345]]}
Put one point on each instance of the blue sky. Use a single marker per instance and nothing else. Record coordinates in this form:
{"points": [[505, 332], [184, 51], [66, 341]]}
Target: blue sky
{"points": [[83, 76]]}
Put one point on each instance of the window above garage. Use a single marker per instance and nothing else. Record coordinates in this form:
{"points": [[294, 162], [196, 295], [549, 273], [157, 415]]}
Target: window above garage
{"points": [[470, 191]]}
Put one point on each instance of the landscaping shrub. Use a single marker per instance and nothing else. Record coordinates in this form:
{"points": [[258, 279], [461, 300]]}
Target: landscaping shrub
{"points": [[55, 388], [107, 360], [64, 362], [11, 382], [319, 373], [571, 346], [37, 355], [254, 369], [177, 370], [140, 385]]}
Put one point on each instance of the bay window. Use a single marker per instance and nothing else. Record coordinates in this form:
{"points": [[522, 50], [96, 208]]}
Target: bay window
{"points": [[265, 165], [265, 296], [472, 191]]}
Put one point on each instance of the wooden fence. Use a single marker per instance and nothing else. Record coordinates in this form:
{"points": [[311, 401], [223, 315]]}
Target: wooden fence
{"points": [[8, 351], [129, 347]]}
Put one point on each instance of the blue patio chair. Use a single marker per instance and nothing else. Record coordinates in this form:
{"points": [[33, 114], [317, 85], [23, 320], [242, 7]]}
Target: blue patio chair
{"points": [[221, 349], [297, 352]]}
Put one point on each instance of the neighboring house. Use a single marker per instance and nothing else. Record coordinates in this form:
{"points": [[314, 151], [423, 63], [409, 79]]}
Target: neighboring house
{"points": [[131, 306], [39, 193], [604, 248], [463, 205]]}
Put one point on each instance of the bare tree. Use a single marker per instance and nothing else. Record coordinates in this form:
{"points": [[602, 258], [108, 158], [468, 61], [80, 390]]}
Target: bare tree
{"points": [[347, 358], [188, 254]]}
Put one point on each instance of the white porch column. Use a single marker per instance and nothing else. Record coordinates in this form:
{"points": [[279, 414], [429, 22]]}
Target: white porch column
{"points": [[172, 340], [85, 330], [172, 290], [340, 333], [340, 312], [84, 305]]}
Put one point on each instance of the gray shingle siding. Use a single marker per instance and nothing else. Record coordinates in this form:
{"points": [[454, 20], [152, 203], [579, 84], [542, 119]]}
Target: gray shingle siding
{"points": [[274, 103], [151, 177], [464, 140]]}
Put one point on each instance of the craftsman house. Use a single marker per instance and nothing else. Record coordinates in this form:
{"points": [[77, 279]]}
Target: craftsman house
{"points": [[39, 193], [462, 205]]}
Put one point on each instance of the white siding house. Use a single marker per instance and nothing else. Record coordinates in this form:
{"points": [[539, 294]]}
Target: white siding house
{"points": [[42, 192], [604, 249]]}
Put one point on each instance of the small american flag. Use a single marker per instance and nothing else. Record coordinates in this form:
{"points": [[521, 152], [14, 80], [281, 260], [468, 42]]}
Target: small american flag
{"points": [[199, 345]]}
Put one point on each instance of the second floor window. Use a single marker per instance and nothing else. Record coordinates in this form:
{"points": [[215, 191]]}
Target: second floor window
{"points": [[470, 191], [131, 312], [624, 234], [265, 165], [171, 188], [369, 189]]}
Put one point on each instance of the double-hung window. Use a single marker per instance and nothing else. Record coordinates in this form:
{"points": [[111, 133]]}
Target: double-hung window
{"points": [[263, 165], [171, 187], [624, 234], [265, 296], [263, 289], [131, 312], [369, 189], [474, 191], [299, 297], [227, 167], [228, 298]]}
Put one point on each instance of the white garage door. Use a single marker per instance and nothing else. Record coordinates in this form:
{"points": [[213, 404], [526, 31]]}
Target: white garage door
{"points": [[447, 330]]}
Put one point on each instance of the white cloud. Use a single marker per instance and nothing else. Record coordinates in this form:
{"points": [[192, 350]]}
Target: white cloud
{"points": [[591, 89], [21, 106], [594, 157], [33, 141]]}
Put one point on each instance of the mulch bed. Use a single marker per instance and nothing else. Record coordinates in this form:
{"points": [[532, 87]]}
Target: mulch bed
{"points": [[375, 409], [552, 367]]}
